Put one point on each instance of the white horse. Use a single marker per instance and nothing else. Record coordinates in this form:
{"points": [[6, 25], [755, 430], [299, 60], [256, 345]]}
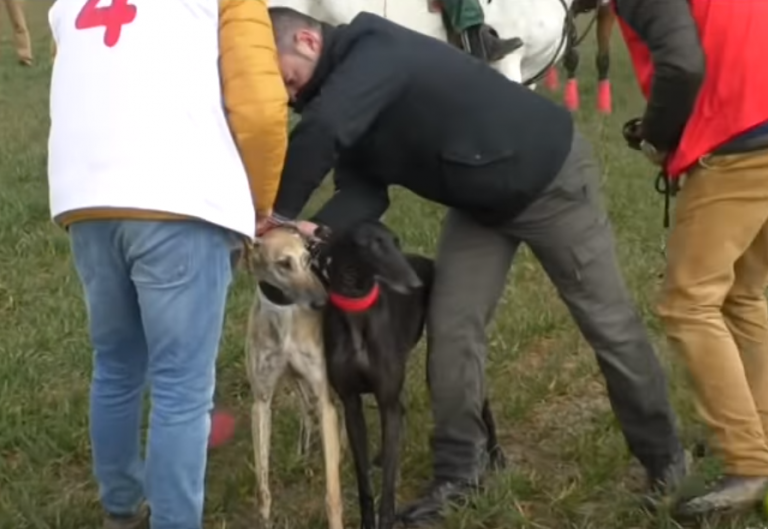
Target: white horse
{"points": [[541, 24]]}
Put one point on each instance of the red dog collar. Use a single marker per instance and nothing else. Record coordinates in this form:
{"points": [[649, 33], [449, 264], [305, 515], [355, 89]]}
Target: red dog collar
{"points": [[355, 304]]}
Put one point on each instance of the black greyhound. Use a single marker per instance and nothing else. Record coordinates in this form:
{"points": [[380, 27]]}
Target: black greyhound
{"points": [[376, 314]]}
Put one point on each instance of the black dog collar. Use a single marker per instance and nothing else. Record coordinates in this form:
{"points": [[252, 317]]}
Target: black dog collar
{"points": [[274, 294]]}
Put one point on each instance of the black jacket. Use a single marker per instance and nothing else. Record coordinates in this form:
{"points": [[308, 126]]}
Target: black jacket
{"points": [[389, 106]]}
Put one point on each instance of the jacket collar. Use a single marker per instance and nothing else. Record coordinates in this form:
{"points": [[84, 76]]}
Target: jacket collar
{"points": [[322, 69]]}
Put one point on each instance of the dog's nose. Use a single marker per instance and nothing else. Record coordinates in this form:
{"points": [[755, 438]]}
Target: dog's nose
{"points": [[317, 304], [414, 282]]}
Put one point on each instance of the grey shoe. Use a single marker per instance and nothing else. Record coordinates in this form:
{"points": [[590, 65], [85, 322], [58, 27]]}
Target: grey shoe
{"points": [[140, 520], [732, 494]]}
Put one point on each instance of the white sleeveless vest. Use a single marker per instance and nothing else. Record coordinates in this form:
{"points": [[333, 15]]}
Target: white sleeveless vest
{"points": [[137, 119]]}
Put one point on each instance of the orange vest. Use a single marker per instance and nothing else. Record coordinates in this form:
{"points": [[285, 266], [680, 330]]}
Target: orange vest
{"points": [[734, 96]]}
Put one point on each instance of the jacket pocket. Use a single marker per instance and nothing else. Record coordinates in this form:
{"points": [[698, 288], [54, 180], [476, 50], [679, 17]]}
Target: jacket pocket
{"points": [[479, 181]]}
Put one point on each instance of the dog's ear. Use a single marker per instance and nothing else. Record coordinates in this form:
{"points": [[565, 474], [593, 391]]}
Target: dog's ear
{"points": [[323, 232], [252, 254]]}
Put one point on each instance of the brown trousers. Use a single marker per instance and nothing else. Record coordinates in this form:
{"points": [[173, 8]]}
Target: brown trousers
{"points": [[714, 306], [22, 42]]}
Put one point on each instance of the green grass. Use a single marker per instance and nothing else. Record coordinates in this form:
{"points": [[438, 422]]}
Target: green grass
{"points": [[570, 466]]}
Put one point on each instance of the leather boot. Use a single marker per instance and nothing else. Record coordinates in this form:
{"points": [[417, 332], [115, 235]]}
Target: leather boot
{"points": [[667, 480], [431, 506], [664, 484], [483, 42]]}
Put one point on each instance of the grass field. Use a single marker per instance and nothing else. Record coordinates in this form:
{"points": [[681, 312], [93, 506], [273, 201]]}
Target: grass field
{"points": [[570, 465]]}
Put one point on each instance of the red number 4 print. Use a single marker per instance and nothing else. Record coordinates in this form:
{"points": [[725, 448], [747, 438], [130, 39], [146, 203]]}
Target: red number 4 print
{"points": [[112, 18]]}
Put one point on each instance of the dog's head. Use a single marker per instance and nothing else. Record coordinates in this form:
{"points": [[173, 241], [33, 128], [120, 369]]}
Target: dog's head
{"points": [[281, 258], [372, 248]]}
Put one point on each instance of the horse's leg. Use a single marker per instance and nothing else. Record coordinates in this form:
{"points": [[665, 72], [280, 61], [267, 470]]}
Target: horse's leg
{"points": [[605, 20], [552, 80], [571, 64]]}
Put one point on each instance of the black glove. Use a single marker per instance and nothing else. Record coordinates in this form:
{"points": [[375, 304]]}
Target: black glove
{"points": [[631, 132]]}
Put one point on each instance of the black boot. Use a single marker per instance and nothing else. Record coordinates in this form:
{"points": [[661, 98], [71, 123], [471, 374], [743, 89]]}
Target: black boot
{"points": [[664, 484], [483, 42], [667, 480], [732, 494], [432, 505]]}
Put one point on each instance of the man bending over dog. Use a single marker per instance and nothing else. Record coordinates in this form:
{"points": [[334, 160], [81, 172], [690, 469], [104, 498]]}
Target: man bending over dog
{"points": [[383, 105], [146, 177]]}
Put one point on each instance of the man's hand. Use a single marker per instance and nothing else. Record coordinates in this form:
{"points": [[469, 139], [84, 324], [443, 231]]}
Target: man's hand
{"points": [[632, 132], [655, 156], [306, 228], [264, 223], [658, 158]]}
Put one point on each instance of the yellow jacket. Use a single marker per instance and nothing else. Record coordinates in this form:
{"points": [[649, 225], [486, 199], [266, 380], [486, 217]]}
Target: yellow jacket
{"points": [[255, 100], [254, 94]]}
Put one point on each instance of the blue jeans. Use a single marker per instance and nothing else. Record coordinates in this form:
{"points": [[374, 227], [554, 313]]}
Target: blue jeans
{"points": [[155, 292]]}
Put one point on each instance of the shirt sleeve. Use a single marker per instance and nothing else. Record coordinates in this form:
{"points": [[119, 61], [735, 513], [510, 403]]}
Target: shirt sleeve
{"points": [[356, 199], [355, 94], [254, 95], [668, 29]]}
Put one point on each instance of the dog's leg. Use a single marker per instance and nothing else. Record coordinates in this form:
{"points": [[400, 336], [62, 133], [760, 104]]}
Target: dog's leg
{"points": [[391, 424], [329, 427], [261, 429], [310, 366], [378, 459], [496, 455], [264, 370], [358, 442], [305, 427], [343, 439]]}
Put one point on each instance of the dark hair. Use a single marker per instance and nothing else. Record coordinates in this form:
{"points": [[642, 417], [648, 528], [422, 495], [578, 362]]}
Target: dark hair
{"points": [[286, 22]]}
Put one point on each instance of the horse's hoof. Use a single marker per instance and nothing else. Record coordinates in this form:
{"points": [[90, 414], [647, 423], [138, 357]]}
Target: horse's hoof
{"points": [[551, 80], [604, 103], [571, 95]]}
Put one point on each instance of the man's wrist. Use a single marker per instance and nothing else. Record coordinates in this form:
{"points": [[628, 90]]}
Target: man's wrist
{"points": [[648, 149], [280, 219], [652, 153]]}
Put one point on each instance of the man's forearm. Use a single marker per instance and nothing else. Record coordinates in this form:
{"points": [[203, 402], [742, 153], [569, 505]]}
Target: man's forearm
{"points": [[311, 155], [351, 205], [668, 30]]}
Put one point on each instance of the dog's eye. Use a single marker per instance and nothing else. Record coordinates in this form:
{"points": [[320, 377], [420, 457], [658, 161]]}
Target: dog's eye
{"points": [[285, 264]]}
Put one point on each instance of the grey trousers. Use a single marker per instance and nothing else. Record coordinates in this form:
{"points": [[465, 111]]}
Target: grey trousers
{"points": [[568, 230]]}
